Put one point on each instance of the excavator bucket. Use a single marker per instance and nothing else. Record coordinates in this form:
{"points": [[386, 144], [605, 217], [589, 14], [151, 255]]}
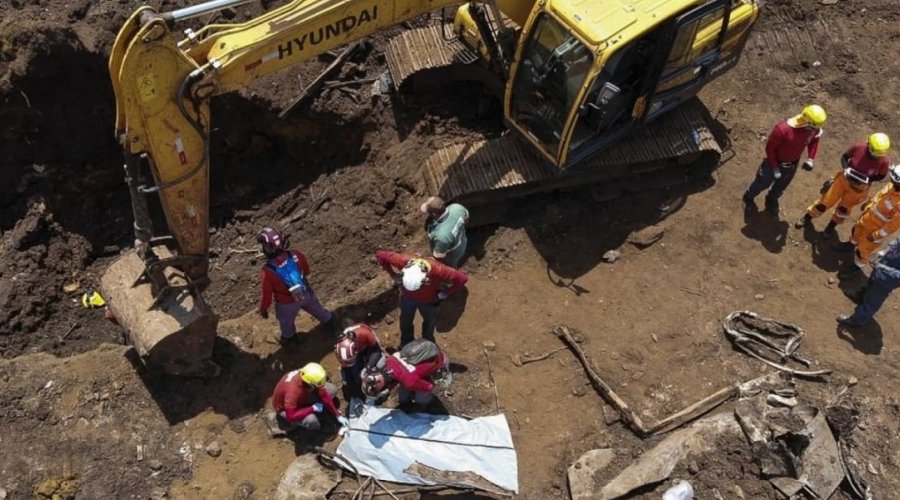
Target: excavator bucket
{"points": [[172, 329]]}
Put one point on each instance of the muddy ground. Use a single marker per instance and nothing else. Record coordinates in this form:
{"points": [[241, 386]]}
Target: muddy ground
{"points": [[342, 177]]}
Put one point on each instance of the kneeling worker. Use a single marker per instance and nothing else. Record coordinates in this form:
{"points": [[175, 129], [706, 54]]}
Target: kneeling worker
{"points": [[357, 348], [414, 369], [303, 397]]}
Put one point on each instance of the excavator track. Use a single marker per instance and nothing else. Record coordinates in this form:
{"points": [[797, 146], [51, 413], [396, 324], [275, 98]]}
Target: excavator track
{"points": [[424, 49], [676, 147]]}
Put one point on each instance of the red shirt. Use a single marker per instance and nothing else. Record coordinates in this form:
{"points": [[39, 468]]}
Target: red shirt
{"points": [[786, 143], [413, 378], [437, 275], [294, 397], [272, 286], [875, 168]]}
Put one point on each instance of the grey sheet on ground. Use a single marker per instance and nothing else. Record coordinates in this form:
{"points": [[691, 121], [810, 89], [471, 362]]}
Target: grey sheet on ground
{"points": [[821, 460], [384, 443], [656, 465]]}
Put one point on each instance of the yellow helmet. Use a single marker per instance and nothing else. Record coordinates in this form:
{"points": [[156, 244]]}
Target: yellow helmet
{"points": [[313, 374], [879, 144], [814, 115]]}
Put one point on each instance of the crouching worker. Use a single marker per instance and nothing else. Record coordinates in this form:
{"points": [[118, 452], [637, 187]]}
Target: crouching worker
{"points": [[304, 397], [414, 369], [357, 348]]}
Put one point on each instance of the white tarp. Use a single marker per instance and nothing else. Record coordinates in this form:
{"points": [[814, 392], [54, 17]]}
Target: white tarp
{"points": [[383, 443]]}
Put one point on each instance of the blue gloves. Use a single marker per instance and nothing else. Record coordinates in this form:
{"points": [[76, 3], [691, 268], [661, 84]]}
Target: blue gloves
{"points": [[318, 407]]}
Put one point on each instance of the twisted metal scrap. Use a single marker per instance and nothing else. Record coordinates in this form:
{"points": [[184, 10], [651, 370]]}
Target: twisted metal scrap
{"points": [[760, 337]]}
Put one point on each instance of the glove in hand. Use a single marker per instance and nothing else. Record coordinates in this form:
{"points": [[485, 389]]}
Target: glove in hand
{"points": [[318, 407]]}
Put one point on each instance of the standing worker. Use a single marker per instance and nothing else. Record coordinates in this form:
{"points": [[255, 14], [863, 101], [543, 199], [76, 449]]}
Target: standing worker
{"points": [[357, 348], [446, 227], [880, 219], [414, 369], [420, 280], [285, 277], [863, 164], [784, 148], [302, 398], [884, 279]]}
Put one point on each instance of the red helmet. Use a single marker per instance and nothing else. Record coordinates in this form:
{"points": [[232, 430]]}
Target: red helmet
{"points": [[271, 239], [373, 382], [346, 351]]}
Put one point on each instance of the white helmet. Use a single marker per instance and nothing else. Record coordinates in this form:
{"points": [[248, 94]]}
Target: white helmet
{"points": [[415, 274], [895, 173]]}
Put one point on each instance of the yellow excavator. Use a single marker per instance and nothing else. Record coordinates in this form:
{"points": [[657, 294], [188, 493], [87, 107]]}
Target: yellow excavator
{"points": [[591, 90]]}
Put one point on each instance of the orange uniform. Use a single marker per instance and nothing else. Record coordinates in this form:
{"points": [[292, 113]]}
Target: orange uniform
{"points": [[846, 189], [880, 218]]}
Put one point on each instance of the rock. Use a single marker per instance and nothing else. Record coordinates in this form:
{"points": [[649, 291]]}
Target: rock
{"points": [[155, 464], [759, 296], [305, 479], [213, 449], [738, 492], [776, 400], [852, 381], [578, 392], [647, 236], [637, 375], [3, 494], [828, 2], [490, 346], [693, 468], [244, 491], [654, 338], [581, 473], [610, 416], [612, 256], [831, 280], [871, 469], [656, 465], [118, 385]]}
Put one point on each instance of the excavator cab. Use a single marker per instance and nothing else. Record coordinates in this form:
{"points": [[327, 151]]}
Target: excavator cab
{"points": [[583, 79]]}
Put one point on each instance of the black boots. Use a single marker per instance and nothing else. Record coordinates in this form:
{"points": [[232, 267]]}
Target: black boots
{"points": [[803, 221]]}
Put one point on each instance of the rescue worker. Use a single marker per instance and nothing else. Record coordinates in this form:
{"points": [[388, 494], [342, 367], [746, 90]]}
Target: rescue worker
{"points": [[880, 219], [421, 280], [304, 397], [285, 277], [884, 279], [784, 148], [863, 164], [414, 369], [446, 228], [357, 348]]}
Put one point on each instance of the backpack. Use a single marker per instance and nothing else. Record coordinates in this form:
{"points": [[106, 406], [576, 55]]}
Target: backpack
{"points": [[291, 275], [419, 351]]}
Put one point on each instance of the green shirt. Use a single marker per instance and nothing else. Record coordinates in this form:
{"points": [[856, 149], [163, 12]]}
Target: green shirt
{"points": [[447, 231]]}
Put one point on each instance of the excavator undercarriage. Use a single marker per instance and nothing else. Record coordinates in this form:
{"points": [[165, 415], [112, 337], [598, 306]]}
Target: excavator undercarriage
{"points": [[676, 148]]}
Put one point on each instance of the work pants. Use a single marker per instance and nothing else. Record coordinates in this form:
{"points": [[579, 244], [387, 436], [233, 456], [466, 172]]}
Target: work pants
{"points": [[859, 236], [286, 314], [311, 422], [765, 178], [408, 308], [877, 290], [841, 193], [420, 398]]}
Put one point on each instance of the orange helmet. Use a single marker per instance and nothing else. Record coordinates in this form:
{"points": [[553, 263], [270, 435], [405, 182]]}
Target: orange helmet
{"points": [[346, 350]]}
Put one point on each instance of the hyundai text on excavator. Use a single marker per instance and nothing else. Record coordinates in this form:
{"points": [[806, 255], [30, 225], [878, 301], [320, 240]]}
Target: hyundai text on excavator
{"points": [[592, 90]]}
